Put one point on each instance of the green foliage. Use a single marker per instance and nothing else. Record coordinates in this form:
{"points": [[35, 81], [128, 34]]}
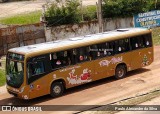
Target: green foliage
{"points": [[70, 12], [63, 13], [89, 13], [156, 35], [2, 77], [28, 18], [125, 8], [157, 5]]}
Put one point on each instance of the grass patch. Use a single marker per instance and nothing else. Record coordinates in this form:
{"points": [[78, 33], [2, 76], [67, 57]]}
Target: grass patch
{"points": [[2, 71], [27, 18], [156, 35], [2, 77]]}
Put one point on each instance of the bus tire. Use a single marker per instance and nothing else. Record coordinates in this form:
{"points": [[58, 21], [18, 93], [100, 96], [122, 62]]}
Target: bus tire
{"points": [[120, 71], [57, 89]]}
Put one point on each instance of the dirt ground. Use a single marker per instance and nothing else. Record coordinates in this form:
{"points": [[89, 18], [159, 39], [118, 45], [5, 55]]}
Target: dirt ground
{"points": [[100, 92], [155, 101], [13, 8]]}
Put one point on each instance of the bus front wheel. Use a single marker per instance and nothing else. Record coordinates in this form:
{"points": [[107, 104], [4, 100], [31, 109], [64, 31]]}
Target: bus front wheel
{"points": [[57, 89], [120, 71]]}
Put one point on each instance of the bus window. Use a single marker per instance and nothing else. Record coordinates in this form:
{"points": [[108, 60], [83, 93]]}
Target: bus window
{"points": [[60, 59], [127, 44], [121, 46], [73, 56], [83, 54], [134, 43], [93, 51], [137, 42], [141, 42], [99, 50], [110, 48], [36, 68], [102, 50], [148, 40]]}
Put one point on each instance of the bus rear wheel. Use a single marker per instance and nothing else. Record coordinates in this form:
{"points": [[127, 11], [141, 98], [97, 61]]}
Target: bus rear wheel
{"points": [[120, 71], [57, 89]]}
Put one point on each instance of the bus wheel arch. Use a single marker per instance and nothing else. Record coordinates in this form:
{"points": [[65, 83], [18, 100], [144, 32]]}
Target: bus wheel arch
{"points": [[120, 71], [57, 88]]}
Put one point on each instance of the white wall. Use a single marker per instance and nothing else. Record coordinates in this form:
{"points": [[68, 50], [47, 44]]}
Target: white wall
{"points": [[68, 31]]}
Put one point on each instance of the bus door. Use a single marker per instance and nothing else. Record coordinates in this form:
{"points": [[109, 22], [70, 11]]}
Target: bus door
{"points": [[37, 69]]}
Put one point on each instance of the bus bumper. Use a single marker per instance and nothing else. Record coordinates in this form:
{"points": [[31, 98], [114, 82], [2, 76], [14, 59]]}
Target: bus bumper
{"points": [[17, 93]]}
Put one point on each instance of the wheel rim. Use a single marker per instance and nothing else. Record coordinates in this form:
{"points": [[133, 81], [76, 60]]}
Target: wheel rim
{"points": [[57, 89], [120, 73]]}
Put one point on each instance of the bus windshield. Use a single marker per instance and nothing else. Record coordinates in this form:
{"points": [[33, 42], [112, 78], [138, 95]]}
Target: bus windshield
{"points": [[14, 71]]}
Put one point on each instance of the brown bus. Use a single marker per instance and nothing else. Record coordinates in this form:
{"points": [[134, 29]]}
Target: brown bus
{"points": [[52, 67]]}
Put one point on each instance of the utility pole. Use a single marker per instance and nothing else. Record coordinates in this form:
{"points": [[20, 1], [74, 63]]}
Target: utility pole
{"points": [[42, 18], [81, 4], [100, 20], [155, 4]]}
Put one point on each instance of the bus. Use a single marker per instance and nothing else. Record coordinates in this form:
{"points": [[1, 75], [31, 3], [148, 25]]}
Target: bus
{"points": [[52, 67]]}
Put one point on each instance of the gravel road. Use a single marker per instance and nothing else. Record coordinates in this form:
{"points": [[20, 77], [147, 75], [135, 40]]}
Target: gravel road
{"points": [[13, 8]]}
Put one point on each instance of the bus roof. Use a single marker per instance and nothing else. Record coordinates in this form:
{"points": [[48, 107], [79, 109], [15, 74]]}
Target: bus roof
{"points": [[53, 46]]}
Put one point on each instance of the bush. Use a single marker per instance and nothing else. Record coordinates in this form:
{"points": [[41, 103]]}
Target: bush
{"points": [[125, 8], [111, 8], [89, 13], [69, 12], [63, 13], [2, 77]]}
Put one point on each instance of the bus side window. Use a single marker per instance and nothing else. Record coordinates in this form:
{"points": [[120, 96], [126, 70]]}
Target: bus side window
{"points": [[83, 54], [141, 42], [122, 46], [134, 43], [116, 46], [93, 52], [53, 59], [127, 44], [59, 59], [106, 50], [137, 42], [119, 46], [111, 48], [73, 56], [102, 50], [148, 40], [64, 58], [36, 68]]}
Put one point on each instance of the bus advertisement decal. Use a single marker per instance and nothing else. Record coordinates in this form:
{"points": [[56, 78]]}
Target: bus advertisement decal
{"points": [[145, 60], [83, 78], [25, 97], [31, 86], [114, 60], [66, 69]]}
